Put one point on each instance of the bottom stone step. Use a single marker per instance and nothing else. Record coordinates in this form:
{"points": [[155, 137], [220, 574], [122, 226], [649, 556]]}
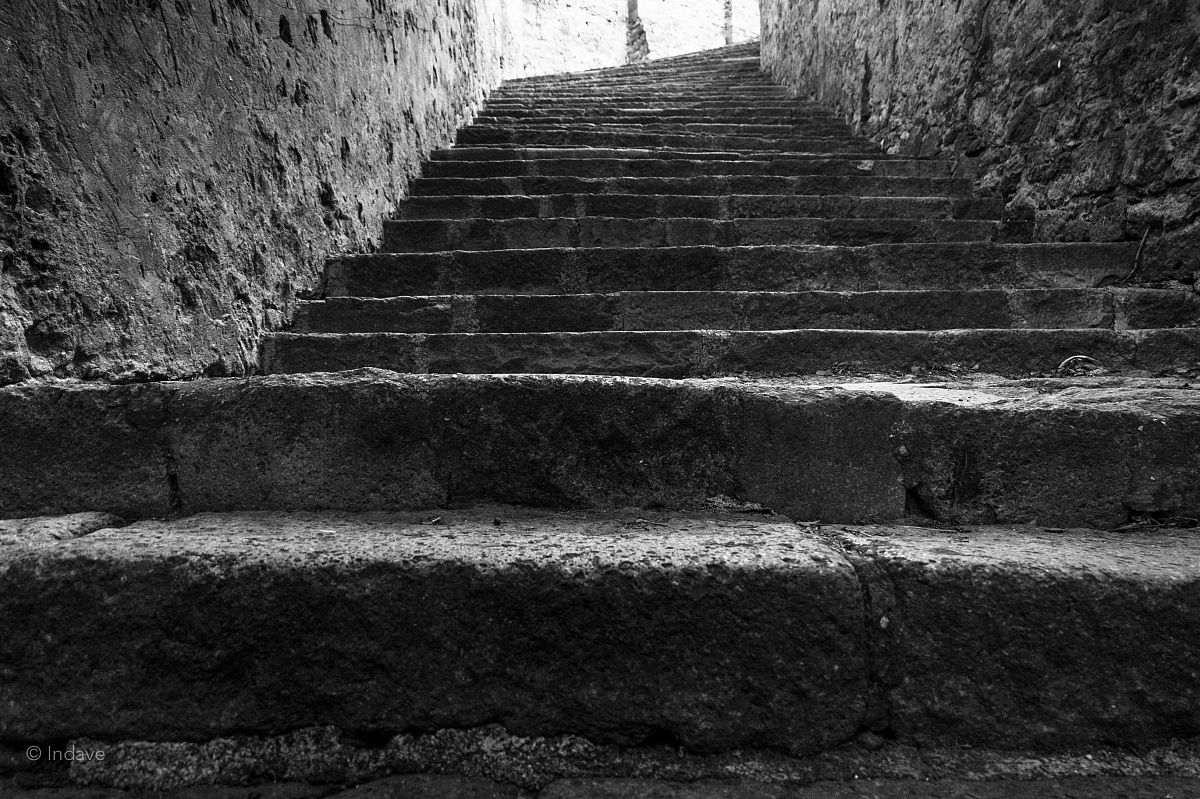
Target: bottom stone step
{"points": [[1070, 451], [711, 632]]}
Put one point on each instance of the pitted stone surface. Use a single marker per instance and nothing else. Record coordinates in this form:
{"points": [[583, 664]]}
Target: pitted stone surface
{"points": [[546, 623]]}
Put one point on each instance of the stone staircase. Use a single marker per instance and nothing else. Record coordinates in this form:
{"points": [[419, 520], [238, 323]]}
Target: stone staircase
{"points": [[676, 435], [688, 219]]}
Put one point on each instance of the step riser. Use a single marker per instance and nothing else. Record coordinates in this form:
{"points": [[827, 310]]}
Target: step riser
{"points": [[903, 310], [607, 124], [698, 354], [755, 116], [748, 206], [853, 185], [487, 234], [745, 86], [663, 92], [694, 124], [600, 627], [804, 113], [621, 139], [681, 168], [509, 152], [380, 441], [389, 621], [884, 267]]}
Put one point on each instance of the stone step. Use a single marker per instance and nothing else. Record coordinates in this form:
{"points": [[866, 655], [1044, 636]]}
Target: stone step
{"points": [[803, 112], [718, 632], [975, 265], [634, 116], [661, 92], [601, 123], [860, 184], [511, 152], [704, 353], [696, 123], [724, 105], [1110, 308], [738, 206], [606, 123], [500, 234], [1066, 452], [684, 167], [630, 138]]}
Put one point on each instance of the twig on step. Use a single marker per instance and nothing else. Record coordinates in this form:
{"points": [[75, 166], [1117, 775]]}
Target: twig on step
{"points": [[1137, 258]]}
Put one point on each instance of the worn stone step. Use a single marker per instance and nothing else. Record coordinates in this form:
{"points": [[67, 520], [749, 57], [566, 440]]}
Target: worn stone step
{"points": [[704, 353], [860, 184], [696, 123], [630, 138], [1074, 452], [682, 109], [683, 167], [661, 92], [1112, 308], [641, 125], [498, 234], [975, 265], [721, 633], [744, 85], [739, 206], [634, 116], [513, 152]]}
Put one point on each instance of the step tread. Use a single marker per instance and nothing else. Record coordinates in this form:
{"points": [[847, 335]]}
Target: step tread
{"points": [[1010, 352], [1072, 450], [711, 206], [611, 625], [1117, 308]]}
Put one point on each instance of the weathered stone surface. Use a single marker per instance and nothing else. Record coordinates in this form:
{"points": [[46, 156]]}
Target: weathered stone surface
{"points": [[715, 633], [51, 529], [329, 756], [954, 265], [982, 457], [14, 790], [421, 786], [1047, 639], [711, 633], [173, 175], [703, 353], [1082, 114], [968, 451], [746, 310], [74, 448], [1080, 788]]}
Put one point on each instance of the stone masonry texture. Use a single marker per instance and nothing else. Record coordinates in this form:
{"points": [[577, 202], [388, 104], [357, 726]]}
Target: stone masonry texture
{"points": [[173, 175], [1082, 114]]}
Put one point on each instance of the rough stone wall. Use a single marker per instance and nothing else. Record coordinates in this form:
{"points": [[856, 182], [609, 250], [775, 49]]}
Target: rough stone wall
{"points": [[1085, 114], [173, 174], [674, 27]]}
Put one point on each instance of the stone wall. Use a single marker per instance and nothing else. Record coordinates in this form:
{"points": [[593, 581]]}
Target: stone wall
{"points": [[1084, 114], [172, 175]]}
